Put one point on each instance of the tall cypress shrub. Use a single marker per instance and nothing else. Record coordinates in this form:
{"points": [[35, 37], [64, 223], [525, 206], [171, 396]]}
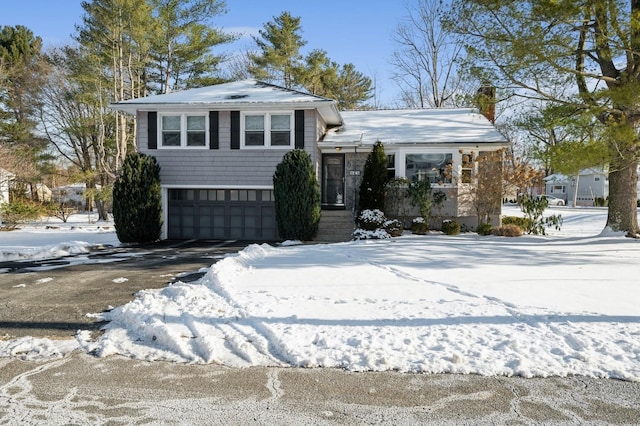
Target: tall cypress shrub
{"points": [[297, 197], [137, 206], [373, 188]]}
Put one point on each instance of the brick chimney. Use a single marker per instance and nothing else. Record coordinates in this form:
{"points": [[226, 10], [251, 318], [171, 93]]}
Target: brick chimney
{"points": [[486, 101]]}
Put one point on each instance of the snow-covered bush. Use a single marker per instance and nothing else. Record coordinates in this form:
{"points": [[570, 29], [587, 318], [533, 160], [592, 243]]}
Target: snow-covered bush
{"points": [[370, 220], [372, 224], [450, 227], [419, 226], [393, 227]]}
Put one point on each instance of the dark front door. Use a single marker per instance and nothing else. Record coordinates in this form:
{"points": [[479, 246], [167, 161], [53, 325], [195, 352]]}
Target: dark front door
{"points": [[333, 190]]}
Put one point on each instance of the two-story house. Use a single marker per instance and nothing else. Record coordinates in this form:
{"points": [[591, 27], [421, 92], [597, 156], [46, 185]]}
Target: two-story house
{"points": [[218, 148]]}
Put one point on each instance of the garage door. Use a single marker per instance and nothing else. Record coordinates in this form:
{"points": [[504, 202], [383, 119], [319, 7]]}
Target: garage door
{"points": [[229, 214]]}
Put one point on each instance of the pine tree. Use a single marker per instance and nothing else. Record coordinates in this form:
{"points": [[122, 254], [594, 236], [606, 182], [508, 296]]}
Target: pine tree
{"points": [[137, 207], [297, 197], [280, 43], [374, 180]]}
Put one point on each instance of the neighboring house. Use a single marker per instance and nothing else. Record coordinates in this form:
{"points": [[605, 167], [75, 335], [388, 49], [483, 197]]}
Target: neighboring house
{"points": [[592, 184], [72, 194], [43, 193], [5, 181], [218, 148]]}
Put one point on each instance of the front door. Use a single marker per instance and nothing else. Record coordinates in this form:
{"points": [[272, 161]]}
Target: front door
{"points": [[333, 190]]}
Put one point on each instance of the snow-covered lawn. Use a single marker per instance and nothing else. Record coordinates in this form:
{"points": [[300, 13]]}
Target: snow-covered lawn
{"points": [[562, 304], [53, 238]]}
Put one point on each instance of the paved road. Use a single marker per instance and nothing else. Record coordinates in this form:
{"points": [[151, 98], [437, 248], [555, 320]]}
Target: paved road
{"points": [[80, 389], [51, 299]]}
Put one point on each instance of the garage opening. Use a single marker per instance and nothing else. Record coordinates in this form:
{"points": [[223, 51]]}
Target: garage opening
{"points": [[236, 214]]}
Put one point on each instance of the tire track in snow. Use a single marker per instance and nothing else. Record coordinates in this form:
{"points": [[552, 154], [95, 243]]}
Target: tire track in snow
{"points": [[510, 308]]}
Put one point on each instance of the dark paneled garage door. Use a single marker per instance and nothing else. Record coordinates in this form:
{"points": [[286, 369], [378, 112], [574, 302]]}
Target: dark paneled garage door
{"points": [[237, 214]]}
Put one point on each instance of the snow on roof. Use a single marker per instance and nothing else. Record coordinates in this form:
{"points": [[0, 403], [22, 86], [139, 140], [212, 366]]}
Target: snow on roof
{"points": [[414, 126], [559, 177], [244, 93]]}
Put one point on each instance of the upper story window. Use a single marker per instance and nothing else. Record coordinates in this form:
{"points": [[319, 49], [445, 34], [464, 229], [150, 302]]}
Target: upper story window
{"points": [[183, 130], [266, 130]]}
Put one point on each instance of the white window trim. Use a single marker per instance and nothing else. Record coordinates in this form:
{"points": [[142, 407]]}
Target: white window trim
{"points": [[401, 163], [183, 129], [267, 130]]}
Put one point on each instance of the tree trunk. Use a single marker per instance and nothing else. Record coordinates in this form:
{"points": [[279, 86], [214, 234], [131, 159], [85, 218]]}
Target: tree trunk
{"points": [[623, 210]]}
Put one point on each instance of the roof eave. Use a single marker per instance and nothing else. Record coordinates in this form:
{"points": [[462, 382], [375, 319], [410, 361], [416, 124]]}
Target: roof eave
{"points": [[328, 109]]}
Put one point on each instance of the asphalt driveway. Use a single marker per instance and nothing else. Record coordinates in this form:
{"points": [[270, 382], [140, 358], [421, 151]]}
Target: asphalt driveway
{"points": [[51, 298]]}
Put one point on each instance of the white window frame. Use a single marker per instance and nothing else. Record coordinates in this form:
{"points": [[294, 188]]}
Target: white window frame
{"points": [[401, 163], [183, 129], [267, 130]]}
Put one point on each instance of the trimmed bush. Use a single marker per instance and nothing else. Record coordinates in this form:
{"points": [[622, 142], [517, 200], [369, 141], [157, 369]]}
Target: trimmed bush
{"points": [[297, 197], [393, 227], [507, 231], [373, 188], [450, 227], [484, 229], [419, 226], [370, 220], [137, 205]]}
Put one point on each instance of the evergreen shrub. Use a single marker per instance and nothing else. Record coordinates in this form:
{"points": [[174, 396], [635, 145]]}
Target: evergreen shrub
{"points": [[373, 188], [370, 220], [297, 197], [484, 229], [19, 211], [393, 227], [419, 226], [137, 205], [450, 227]]}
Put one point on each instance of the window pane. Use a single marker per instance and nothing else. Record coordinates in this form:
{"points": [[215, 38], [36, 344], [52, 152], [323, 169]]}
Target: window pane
{"points": [[280, 138], [254, 122], [280, 122], [432, 167], [170, 138], [196, 139], [195, 123], [254, 138], [171, 122]]}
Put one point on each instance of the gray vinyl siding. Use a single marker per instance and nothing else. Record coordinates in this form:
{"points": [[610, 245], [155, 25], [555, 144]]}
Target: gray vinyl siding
{"points": [[223, 166]]}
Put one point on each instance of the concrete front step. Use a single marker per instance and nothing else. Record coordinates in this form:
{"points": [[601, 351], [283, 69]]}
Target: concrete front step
{"points": [[335, 226]]}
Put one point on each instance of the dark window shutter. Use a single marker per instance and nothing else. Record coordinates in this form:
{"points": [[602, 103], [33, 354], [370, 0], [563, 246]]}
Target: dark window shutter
{"points": [[214, 132], [152, 129], [299, 129], [235, 129]]}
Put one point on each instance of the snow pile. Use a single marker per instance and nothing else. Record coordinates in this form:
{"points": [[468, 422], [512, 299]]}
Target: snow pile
{"points": [[54, 238]]}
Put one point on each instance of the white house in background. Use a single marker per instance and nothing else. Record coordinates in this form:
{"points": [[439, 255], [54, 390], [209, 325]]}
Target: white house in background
{"points": [[218, 148], [592, 184], [5, 179], [69, 194]]}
